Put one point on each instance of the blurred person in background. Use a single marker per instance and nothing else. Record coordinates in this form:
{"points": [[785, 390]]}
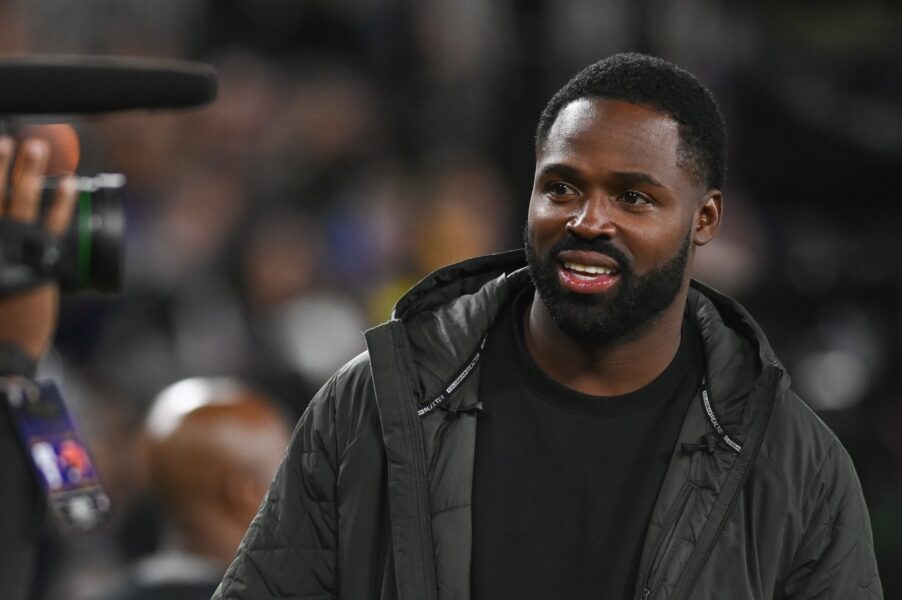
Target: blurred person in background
{"points": [[212, 446], [451, 226], [637, 437], [297, 327]]}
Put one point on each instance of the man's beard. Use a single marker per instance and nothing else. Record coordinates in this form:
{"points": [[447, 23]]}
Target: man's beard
{"points": [[597, 318]]}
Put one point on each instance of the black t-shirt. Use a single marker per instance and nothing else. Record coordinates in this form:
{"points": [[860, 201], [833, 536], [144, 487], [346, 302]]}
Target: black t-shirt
{"points": [[564, 483]]}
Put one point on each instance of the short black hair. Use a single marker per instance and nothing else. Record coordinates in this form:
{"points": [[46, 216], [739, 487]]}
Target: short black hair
{"points": [[654, 82]]}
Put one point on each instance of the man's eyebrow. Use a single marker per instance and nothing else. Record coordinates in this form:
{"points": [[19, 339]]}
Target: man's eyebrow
{"points": [[623, 178], [560, 170], [633, 177]]}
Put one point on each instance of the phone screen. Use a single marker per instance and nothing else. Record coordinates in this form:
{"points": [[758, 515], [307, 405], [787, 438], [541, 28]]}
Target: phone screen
{"points": [[60, 458]]}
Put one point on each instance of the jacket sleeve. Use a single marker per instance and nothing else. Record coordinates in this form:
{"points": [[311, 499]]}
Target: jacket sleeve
{"points": [[289, 551], [835, 560]]}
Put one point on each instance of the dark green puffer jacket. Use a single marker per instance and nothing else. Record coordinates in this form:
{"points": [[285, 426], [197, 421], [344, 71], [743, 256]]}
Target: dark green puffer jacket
{"points": [[373, 499]]}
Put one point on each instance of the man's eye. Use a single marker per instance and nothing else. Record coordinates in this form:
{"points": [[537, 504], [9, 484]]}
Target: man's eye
{"points": [[635, 198], [560, 189]]}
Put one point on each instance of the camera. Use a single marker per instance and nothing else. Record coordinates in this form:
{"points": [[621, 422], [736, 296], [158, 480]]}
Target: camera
{"points": [[89, 255], [92, 248]]}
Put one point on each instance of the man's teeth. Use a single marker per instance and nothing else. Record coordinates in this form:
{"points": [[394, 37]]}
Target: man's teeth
{"points": [[593, 269]]}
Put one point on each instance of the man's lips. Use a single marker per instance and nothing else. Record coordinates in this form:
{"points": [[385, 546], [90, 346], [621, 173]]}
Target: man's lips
{"points": [[588, 259], [585, 272]]}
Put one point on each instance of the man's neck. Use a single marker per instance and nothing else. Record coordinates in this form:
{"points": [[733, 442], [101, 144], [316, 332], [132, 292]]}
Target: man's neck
{"points": [[609, 370], [212, 534]]}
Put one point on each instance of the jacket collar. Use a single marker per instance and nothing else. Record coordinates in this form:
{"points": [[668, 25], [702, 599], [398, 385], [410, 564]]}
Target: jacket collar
{"points": [[448, 313], [738, 355], [454, 281]]}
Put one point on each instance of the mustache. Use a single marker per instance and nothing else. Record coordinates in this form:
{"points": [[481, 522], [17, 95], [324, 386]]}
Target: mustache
{"points": [[572, 242]]}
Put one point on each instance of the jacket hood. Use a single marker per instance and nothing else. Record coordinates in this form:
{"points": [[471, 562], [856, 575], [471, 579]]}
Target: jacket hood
{"points": [[738, 357], [448, 313], [456, 281]]}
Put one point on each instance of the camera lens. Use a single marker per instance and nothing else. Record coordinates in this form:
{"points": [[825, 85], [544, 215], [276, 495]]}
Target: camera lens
{"points": [[93, 245]]}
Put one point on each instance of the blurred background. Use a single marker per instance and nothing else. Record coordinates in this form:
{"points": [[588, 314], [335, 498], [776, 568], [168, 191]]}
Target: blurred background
{"points": [[358, 144]]}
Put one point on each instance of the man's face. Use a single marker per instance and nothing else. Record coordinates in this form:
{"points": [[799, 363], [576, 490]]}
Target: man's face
{"points": [[612, 219]]}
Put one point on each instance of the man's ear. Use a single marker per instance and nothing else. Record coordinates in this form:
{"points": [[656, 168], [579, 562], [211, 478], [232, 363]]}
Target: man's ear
{"points": [[707, 218]]}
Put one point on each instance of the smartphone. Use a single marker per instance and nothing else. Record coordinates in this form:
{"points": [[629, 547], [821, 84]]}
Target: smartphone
{"points": [[59, 456]]}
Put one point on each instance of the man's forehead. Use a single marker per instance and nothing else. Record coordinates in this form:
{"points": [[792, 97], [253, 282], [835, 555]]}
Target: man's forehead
{"points": [[575, 117], [594, 121]]}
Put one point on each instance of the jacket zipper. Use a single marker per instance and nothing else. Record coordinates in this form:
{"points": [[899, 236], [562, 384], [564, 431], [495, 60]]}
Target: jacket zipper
{"points": [[668, 531], [774, 383], [414, 568], [420, 480]]}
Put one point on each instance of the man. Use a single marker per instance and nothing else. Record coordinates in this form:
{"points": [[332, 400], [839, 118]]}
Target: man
{"points": [[27, 323], [592, 425], [212, 447]]}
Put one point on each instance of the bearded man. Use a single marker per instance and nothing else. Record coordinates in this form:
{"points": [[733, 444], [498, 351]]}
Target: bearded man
{"points": [[589, 424]]}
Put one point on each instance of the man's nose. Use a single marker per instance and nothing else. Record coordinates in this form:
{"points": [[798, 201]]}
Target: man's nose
{"points": [[593, 219]]}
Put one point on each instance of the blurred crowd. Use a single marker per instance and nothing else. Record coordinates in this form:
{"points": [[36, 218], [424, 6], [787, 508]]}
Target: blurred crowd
{"points": [[357, 145]]}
